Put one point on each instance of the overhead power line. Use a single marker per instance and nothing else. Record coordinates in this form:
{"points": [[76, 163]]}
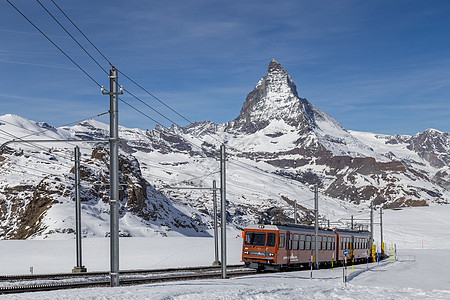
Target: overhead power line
{"points": [[45, 130], [156, 98], [75, 40], [54, 44], [81, 32], [126, 76]]}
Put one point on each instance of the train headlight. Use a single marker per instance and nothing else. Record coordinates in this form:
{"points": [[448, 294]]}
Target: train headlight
{"points": [[271, 254], [245, 252]]}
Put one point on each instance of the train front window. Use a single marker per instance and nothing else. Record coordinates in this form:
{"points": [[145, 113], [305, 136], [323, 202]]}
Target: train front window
{"points": [[255, 238], [271, 239]]}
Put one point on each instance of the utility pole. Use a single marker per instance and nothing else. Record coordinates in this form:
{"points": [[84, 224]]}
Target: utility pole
{"points": [[295, 211], [381, 231], [352, 222], [114, 173], [79, 267], [371, 226], [316, 225], [216, 261], [223, 211], [216, 237]]}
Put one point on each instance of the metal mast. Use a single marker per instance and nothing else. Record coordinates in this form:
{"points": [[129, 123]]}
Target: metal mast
{"points": [[295, 211], [114, 173], [79, 267], [316, 225], [216, 237], [223, 217], [381, 231], [371, 226]]}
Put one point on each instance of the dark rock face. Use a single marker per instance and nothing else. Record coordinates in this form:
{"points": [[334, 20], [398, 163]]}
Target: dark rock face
{"points": [[136, 196], [433, 146], [308, 138]]}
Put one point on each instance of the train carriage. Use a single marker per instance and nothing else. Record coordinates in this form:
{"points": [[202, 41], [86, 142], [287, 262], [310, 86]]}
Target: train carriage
{"points": [[276, 247], [279, 247], [356, 243]]}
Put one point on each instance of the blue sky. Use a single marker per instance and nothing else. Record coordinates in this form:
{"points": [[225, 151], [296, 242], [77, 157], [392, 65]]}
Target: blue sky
{"points": [[378, 66]]}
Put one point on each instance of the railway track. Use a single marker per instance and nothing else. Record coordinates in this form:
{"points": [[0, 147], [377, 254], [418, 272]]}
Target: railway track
{"points": [[48, 282]]}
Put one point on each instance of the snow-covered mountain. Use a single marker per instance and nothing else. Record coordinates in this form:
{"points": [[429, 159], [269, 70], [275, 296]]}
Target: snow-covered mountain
{"points": [[278, 146]]}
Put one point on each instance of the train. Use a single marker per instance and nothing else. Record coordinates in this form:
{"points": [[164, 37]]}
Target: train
{"points": [[281, 247]]}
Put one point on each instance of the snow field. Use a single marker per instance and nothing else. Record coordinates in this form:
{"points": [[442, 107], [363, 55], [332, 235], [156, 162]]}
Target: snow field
{"points": [[417, 274]]}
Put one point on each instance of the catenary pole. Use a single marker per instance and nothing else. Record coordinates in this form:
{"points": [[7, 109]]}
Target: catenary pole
{"points": [[79, 267], [114, 174], [381, 231], [371, 226], [223, 218], [216, 237], [316, 225], [295, 211], [216, 261]]}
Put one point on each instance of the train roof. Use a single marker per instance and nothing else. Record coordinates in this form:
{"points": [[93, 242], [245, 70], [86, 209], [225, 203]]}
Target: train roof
{"points": [[306, 228], [352, 232], [289, 227]]}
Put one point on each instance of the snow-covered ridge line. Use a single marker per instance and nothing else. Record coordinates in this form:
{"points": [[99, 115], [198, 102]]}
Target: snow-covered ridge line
{"points": [[277, 148]]}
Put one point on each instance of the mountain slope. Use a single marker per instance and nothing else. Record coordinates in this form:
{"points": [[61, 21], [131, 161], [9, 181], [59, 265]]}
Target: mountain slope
{"points": [[278, 146]]}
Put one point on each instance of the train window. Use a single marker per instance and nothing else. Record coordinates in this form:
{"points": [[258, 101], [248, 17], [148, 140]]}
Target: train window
{"points": [[255, 238], [271, 237], [329, 247], [319, 242], [333, 244], [302, 242], [308, 242], [289, 241], [281, 241], [324, 243], [313, 242], [295, 244]]}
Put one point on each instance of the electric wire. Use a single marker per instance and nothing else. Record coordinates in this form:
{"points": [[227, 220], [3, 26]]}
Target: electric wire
{"points": [[27, 173], [75, 40], [54, 44], [156, 98], [45, 130], [85, 72], [156, 111], [143, 102], [81, 32], [43, 148], [33, 145], [41, 171], [102, 68]]}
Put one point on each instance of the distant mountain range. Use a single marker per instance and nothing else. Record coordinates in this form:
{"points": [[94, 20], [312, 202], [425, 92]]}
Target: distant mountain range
{"points": [[278, 146]]}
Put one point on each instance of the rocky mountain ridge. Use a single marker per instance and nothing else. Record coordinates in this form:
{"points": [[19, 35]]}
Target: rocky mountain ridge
{"points": [[277, 147]]}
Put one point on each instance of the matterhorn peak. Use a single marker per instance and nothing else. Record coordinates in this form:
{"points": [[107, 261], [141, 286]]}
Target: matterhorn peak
{"points": [[275, 66], [274, 97]]}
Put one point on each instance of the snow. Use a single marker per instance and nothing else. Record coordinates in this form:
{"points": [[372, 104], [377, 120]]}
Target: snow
{"points": [[420, 271]]}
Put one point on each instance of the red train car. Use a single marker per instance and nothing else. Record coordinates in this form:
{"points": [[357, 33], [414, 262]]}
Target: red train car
{"points": [[279, 247], [355, 242]]}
